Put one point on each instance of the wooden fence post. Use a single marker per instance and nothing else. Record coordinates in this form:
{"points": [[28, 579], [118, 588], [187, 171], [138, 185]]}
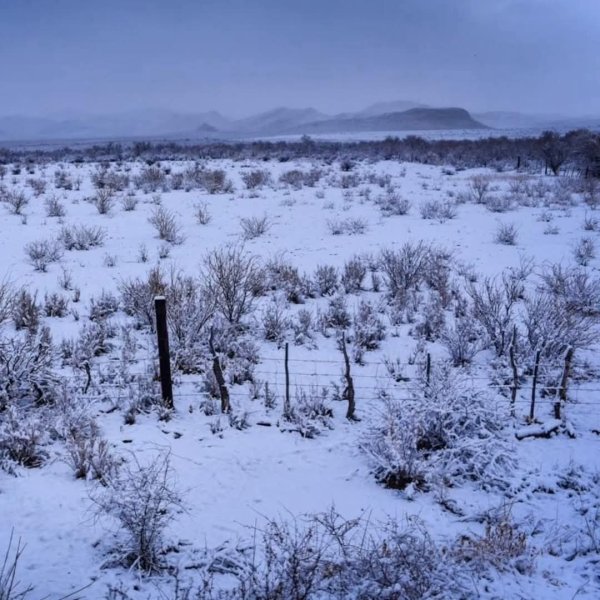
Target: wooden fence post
{"points": [[164, 359], [349, 390], [286, 404], [562, 394], [538, 355]]}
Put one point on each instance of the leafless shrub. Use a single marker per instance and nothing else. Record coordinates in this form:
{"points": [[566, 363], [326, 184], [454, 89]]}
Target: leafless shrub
{"points": [[203, 215], [42, 253], [350, 226], [25, 311], [591, 223], [21, 440], [499, 204], [478, 187], [81, 237], [37, 185], [462, 340], [326, 279], [584, 251], [353, 275], [275, 321], [502, 546], [129, 202], [166, 225], [231, 278], [16, 201], [392, 203], [7, 298], [143, 499], [326, 556], [54, 207], [439, 210], [10, 587], [254, 227], [103, 201], [403, 269], [89, 454], [151, 179], [55, 305], [506, 234], [369, 329], [256, 178]]}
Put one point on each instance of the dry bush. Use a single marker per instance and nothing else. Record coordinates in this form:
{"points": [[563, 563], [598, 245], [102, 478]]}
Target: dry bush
{"points": [[42, 253], [203, 216], [478, 188], [166, 225], [506, 234], [103, 201], [143, 499], [16, 201], [54, 207], [81, 237], [256, 179], [254, 227]]}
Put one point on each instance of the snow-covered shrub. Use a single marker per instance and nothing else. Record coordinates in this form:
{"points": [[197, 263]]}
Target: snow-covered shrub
{"points": [[282, 275], [256, 178], [151, 179], [81, 237], [369, 329], [446, 432], [502, 546], [324, 556], [42, 253], [11, 587], [353, 275], [584, 251], [433, 319], [129, 202], [137, 296], [254, 227], [16, 201], [104, 201], [493, 304], [89, 454], [103, 306], [54, 207], [231, 278], [7, 299], [499, 204], [439, 210], [350, 226], [552, 324], [393, 204], [337, 315], [462, 340], [25, 311], [55, 305], [21, 438], [142, 498], [403, 269], [506, 234], [26, 369], [478, 188], [202, 213], [303, 327], [166, 225], [326, 279], [275, 321], [310, 412]]}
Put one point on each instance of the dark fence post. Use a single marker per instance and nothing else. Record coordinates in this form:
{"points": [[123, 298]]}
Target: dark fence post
{"points": [[287, 406], [164, 359]]}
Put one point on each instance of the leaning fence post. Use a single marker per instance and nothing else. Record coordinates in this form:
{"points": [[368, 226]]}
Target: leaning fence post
{"points": [[164, 359], [536, 367], [562, 394]]}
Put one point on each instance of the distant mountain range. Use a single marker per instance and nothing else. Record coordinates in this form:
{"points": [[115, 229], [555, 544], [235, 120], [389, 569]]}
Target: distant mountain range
{"points": [[384, 116]]}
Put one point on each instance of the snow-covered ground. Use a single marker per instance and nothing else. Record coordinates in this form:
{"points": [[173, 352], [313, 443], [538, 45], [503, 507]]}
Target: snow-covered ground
{"points": [[231, 479]]}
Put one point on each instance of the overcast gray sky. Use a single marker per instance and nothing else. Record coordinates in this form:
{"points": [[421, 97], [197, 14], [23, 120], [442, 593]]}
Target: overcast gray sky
{"points": [[242, 56]]}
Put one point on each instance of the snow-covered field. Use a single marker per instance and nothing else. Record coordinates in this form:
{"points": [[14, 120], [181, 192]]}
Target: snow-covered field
{"points": [[542, 513]]}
